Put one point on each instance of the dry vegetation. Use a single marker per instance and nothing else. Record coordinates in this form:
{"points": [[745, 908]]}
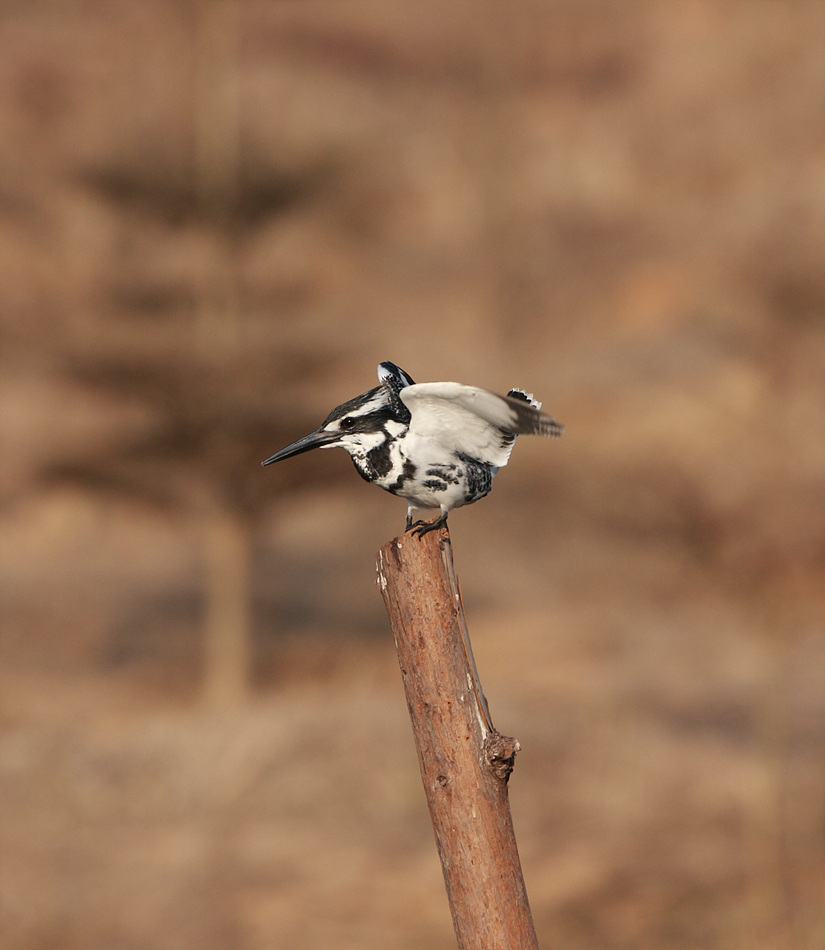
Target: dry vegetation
{"points": [[215, 220]]}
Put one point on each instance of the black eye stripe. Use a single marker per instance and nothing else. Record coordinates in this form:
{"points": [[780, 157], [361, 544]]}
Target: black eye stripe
{"points": [[370, 422]]}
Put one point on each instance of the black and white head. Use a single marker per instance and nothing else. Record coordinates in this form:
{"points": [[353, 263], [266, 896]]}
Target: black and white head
{"points": [[360, 424]]}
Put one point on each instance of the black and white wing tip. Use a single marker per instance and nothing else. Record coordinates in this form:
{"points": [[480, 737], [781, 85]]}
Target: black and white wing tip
{"points": [[529, 419], [517, 393]]}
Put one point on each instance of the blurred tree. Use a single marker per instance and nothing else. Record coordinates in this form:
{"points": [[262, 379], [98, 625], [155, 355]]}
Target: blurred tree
{"points": [[208, 387], [227, 629]]}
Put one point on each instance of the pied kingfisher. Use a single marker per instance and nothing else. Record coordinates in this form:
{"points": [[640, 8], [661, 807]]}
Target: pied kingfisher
{"points": [[436, 444]]}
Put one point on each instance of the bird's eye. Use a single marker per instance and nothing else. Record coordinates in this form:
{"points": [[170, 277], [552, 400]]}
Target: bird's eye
{"points": [[347, 422]]}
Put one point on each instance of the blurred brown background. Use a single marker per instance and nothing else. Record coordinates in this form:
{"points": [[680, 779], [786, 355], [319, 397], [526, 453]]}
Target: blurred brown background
{"points": [[215, 220]]}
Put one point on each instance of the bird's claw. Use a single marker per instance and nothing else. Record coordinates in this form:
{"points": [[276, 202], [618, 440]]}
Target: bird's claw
{"points": [[420, 528]]}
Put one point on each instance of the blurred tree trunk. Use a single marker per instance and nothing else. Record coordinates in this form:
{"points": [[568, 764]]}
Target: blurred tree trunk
{"points": [[226, 535], [227, 621]]}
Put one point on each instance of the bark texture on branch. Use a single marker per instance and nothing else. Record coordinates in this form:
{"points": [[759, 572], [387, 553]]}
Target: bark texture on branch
{"points": [[465, 763]]}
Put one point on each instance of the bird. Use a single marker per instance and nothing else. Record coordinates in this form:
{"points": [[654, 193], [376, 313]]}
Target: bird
{"points": [[438, 445]]}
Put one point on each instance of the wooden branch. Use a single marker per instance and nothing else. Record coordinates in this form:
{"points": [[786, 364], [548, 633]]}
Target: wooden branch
{"points": [[465, 763]]}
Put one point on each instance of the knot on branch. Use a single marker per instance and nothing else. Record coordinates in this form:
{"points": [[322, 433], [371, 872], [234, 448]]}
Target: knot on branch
{"points": [[500, 755]]}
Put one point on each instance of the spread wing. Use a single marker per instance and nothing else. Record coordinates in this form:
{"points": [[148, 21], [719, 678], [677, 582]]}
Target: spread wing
{"points": [[472, 421]]}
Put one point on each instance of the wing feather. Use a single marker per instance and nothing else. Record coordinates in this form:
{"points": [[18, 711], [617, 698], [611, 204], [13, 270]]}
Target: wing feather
{"points": [[473, 421]]}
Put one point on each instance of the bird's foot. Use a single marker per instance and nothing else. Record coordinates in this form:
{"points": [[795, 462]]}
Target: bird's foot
{"points": [[420, 528]]}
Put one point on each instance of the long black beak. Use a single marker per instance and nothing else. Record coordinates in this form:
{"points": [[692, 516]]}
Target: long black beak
{"points": [[315, 440]]}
